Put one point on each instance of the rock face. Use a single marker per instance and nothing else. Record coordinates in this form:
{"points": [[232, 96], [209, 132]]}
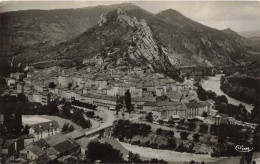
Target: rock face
{"points": [[137, 46]]}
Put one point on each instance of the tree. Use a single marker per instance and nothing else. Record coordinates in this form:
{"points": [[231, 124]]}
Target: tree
{"points": [[128, 101], [71, 128], [159, 131], [171, 133], [69, 85], [149, 117], [196, 137], [26, 129], [104, 152], [65, 127], [184, 135], [118, 107], [134, 158], [52, 109], [191, 126], [171, 144], [221, 138], [52, 85], [160, 122], [222, 99]]}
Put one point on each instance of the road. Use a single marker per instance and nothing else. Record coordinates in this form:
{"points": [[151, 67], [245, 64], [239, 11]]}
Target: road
{"points": [[108, 118]]}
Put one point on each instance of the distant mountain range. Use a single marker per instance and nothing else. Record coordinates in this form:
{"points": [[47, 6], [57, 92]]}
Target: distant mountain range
{"points": [[250, 34], [130, 36]]}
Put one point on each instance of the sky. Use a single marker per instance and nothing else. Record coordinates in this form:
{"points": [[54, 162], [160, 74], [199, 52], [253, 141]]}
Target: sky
{"points": [[237, 15]]}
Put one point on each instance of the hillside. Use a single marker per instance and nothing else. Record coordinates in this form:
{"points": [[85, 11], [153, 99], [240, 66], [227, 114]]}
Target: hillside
{"points": [[73, 35], [28, 32], [117, 41]]}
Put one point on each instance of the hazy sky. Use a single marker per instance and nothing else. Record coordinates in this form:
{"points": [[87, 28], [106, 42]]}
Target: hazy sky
{"points": [[239, 16]]}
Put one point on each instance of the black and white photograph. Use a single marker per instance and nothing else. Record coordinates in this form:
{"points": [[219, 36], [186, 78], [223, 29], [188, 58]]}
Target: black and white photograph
{"points": [[129, 82]]}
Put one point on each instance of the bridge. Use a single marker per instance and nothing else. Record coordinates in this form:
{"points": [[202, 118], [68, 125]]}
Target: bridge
{"points": [[103, 129]]}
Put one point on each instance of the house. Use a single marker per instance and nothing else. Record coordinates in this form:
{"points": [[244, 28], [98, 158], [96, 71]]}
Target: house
{"points": [[17, 76], [166, 110], [12, 146], [149, 106], [20, 87], [40, 127], [39, 87], [174, 96], [56, 147], [64, 80], [43, 98], [29, 68], [101, 82], [100, 100], [83, 142], [11, 82], [159, 91], [197, 108], [220, 119]]}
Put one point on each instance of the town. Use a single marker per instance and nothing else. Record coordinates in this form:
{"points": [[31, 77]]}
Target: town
{"points": [[99, 94]]}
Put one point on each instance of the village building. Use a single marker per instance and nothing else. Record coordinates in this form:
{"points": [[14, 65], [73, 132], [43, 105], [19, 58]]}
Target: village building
{"points": [[43, 97], [57, 147], [11, 146], [11, 82], [20, 87], [40, 128]]}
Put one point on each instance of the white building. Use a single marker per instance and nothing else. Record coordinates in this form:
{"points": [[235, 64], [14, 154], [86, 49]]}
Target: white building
{"points": [[40, 127]]}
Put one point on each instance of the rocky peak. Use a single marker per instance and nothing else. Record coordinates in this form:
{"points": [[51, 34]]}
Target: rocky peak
{"points": [[143, 46]]}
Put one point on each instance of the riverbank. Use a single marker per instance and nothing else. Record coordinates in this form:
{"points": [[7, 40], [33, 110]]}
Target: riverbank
{"points": [[168, 155], [213, 83], [241, 87]]}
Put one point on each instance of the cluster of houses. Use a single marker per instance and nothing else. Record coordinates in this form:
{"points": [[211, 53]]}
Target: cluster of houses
{"points": [[150, 91], [91, 85], [44, 143]]}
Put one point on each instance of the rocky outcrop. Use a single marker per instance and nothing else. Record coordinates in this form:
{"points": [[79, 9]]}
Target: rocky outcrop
{"points": [[142, 45]]}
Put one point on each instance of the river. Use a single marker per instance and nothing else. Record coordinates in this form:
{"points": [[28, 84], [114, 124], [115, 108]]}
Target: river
{"points": [[213, 83]]}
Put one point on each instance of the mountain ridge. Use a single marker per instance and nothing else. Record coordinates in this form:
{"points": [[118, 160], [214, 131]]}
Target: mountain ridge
{"points": [[185, 41]]}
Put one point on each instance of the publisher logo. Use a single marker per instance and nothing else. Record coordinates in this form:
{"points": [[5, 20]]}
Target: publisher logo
{"points": [[243, 149]]}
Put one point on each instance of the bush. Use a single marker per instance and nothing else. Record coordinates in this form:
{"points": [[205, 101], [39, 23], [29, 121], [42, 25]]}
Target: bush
{"points": [[65, 127], [191, 126], [170, 133], [171, 144], [52, 85], [160, 122], [196, 137], [159, 131], [203, 128], [71, 128], [184, 135], [127, 129], [136, 143], [147, 143], [104, 152], [163, 147], [149, 117], [154, 145]]}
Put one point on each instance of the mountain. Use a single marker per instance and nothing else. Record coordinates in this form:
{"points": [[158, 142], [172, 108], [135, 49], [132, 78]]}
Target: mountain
{"points": [[31, 30], [118, 40], [250, 34], [131, 36]]}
